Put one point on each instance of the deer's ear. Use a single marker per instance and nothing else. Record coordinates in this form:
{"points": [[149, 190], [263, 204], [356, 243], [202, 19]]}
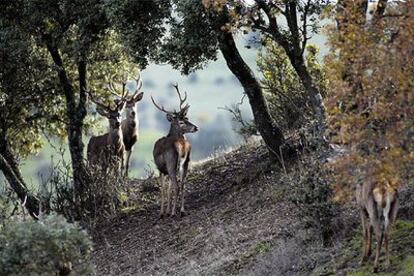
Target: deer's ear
{"points": [[170, 117], [185, 111], [139, 97]]}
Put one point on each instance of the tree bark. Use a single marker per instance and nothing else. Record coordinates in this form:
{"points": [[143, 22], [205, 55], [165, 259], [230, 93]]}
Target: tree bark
{"points": [[295, 55], [76, 114], [272, 135], [9, 157], [294, 48], [31, 203], [315, 96]]}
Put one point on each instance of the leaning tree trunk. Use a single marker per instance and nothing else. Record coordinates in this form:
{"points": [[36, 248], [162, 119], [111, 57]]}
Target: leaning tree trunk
{"points": [[271, 133], [31, 202], [10, 169], [9, 157]]}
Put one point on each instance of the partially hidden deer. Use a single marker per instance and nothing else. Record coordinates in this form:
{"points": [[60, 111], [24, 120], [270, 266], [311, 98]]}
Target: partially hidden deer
{"points": [[172, 157], [107, 150], [130, 125], [378, 204]]}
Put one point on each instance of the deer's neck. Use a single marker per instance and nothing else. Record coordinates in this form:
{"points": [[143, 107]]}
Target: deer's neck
{"points": [[132, 123], [175, 133], [115, 136]]}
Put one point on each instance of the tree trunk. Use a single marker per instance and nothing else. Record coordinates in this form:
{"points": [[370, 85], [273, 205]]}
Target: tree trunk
{"points": [[315, 96], [31, 202], [76, 114], [8, 156], [295, 51], [272, 135]]}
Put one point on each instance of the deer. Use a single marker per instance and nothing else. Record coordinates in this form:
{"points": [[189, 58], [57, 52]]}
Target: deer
{"points": [[104, 149], [378, 205], [130, 125], [172, 156]]}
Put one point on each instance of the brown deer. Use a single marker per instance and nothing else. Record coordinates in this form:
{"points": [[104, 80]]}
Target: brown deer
{"points": [[172, 156], [130, 125], [378, 203], [109, 147]]}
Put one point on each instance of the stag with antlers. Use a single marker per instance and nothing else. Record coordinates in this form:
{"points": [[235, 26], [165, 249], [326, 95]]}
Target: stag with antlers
{"points": [[172, 156], [109, 147], [130, 125]]}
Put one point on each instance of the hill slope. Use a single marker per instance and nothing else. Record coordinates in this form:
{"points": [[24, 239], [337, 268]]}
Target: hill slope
{"points": [[240, 222]]}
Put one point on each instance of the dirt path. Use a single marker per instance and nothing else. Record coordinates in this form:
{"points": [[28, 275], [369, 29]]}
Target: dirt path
{"points": [[234, 214]]}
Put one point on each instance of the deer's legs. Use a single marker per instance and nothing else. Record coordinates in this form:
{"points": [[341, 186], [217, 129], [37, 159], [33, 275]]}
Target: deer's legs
{"points": [[387, 253], [369, 240], [163, 189], [169, 190], [128, 155], [174, 185], [182, 211], [379, 236], [364, 238], [183, 174], [390, 214], [366, 235], [377, 225]]}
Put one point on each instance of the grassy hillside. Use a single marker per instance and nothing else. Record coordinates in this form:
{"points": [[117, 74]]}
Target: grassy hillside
{"points": [[242, 221]]}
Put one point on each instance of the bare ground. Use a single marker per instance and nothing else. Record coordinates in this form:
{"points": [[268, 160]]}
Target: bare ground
{"points": [[234, 214], [239, 222]]}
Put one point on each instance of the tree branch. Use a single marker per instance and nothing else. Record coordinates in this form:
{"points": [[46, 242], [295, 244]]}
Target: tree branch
{"points": [[32, 203], [304, 26], [292, 20], [82, 67]]}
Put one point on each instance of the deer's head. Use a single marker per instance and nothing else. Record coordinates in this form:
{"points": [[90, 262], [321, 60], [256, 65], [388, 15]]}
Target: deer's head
{"points": [[178, 119], [130, 100], [113, 114]]}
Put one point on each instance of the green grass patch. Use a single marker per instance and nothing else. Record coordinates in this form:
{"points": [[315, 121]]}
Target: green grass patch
{"points": [[262, 247], [401, 255]]}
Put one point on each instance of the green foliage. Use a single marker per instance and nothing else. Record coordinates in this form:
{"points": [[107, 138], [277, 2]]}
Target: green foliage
{"points": [[31, 96], [8, 205], [309, 189], [192, 39], [28, 94], [287, 99], [371, 105], [141, 25], [47, 247]]}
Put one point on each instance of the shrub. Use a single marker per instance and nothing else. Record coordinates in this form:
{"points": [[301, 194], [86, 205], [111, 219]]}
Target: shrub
{"points": [[48, 246], [101, 199], [287, 99], [309, 187]]}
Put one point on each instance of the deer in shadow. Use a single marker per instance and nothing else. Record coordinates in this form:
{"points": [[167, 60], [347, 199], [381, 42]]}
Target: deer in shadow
{"points": [[107, 150], [129, 125], [378, 206], [172, 156]]}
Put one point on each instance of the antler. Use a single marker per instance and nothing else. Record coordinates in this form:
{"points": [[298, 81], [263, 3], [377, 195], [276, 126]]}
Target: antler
{"points": [[113, 89], [139, 85], [181, 99], [98, 103], [161, 108], [183, 109], [106, 107], [124, 95]]}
